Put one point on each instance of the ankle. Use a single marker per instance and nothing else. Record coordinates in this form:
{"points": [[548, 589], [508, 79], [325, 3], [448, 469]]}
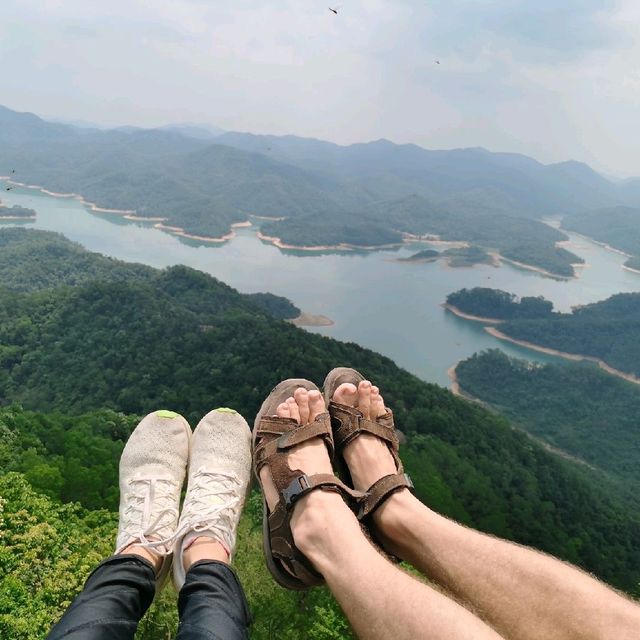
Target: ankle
{"points": [[144, 553], [316, 520], [204, 548], [397, 518]]}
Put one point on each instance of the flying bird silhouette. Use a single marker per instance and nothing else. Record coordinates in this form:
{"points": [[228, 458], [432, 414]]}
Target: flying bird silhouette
{"points": [[334, 10], [9, 188], [437, 61]]}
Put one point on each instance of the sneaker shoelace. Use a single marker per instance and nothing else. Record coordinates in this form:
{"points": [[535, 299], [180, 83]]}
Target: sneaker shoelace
{"points": [[145, 495], [211, 505]]}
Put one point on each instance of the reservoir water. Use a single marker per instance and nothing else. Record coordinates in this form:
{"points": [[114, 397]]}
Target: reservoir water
{"points": [[391, 307]]}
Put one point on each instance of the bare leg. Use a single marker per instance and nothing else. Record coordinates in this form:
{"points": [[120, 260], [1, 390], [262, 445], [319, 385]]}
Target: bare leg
{"points": [[522, 593], [380, 601]]}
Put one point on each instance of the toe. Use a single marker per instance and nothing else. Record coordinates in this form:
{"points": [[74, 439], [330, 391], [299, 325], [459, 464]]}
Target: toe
{"points": [[377, 403], [316, 405], [364, 398], [301, 396], [346, 394], [283, 410], [294, 411]]}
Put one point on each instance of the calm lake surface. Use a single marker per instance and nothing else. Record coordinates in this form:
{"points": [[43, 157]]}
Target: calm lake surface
{"points": [[388, 306]]}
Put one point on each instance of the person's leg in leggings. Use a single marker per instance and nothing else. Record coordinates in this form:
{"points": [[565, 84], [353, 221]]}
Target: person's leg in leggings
{"points": [[120, 590], [212, 603], [114, 599], [524, 594]]}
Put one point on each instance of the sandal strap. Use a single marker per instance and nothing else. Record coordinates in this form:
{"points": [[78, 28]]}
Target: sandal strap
{"points": [[349, 422], [289, 434], [282, 545], [381, 490]]}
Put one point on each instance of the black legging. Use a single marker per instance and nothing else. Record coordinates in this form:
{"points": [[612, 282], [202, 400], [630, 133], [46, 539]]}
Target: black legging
{"points": [[211, 604]]}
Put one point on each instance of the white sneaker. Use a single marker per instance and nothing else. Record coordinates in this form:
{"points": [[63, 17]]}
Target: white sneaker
{"points": [[219, 473], [152, 470]]}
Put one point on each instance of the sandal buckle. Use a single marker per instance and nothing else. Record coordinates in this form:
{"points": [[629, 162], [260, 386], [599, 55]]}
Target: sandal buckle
{"points": [[409, 481], [296, 489]]}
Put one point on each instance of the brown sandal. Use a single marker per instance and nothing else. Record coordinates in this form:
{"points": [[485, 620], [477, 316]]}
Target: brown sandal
{"points": [[272, 438], [347, 424]]}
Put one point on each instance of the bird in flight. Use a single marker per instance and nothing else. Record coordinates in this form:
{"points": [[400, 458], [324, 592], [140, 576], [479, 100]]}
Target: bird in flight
{"points": [[9, 188], [334, 10], [437, 61], [13, 170]]}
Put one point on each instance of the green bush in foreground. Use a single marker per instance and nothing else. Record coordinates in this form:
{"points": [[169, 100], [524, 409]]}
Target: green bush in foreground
{"points": [[47, 551]]}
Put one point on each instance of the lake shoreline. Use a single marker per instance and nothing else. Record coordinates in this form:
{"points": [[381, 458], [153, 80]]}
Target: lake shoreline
{"points": [[576, 357], [467, 316], [130, 214], [343, 246], [407, 238], [529, 267]]}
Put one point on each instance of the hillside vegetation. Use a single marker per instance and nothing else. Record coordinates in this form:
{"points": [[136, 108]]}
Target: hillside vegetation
{"points": [[574, 407], [616, 226], [79, 362]]}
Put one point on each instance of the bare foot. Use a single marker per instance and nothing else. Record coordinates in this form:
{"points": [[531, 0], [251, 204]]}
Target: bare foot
{"points": [[311, 457], [314, 510], [367, 457]]}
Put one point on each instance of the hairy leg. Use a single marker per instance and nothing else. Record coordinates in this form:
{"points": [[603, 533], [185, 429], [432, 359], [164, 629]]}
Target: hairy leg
{"points": [[379, 599], [522, 593]]}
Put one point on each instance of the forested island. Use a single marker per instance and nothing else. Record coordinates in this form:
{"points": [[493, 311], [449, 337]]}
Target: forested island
{"points": [[460, 257], [574, 407], [607, 332], [456, 257], [521, 240], [16, 213], [500, 305], [82, 355], [426, 255]]}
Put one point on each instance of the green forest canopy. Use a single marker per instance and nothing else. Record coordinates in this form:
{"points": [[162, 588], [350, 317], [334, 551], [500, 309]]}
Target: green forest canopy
{"points": [[574, 407]]}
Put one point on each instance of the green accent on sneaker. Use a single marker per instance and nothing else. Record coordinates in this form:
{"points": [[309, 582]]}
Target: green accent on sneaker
{"points": [[166, 414], [226, 410]]}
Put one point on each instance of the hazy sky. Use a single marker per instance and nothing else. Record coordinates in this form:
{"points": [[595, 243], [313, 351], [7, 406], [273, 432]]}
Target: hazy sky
{"points": [[553, 79]]}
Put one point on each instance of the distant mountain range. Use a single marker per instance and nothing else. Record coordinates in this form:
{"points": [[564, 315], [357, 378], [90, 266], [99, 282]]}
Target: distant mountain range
{"points": [[203, 181]]}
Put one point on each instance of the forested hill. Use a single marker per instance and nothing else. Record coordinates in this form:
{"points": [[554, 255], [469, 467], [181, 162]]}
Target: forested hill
{"points": [[577, 408], [617, 226], [362, 195], [32, 260]]}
